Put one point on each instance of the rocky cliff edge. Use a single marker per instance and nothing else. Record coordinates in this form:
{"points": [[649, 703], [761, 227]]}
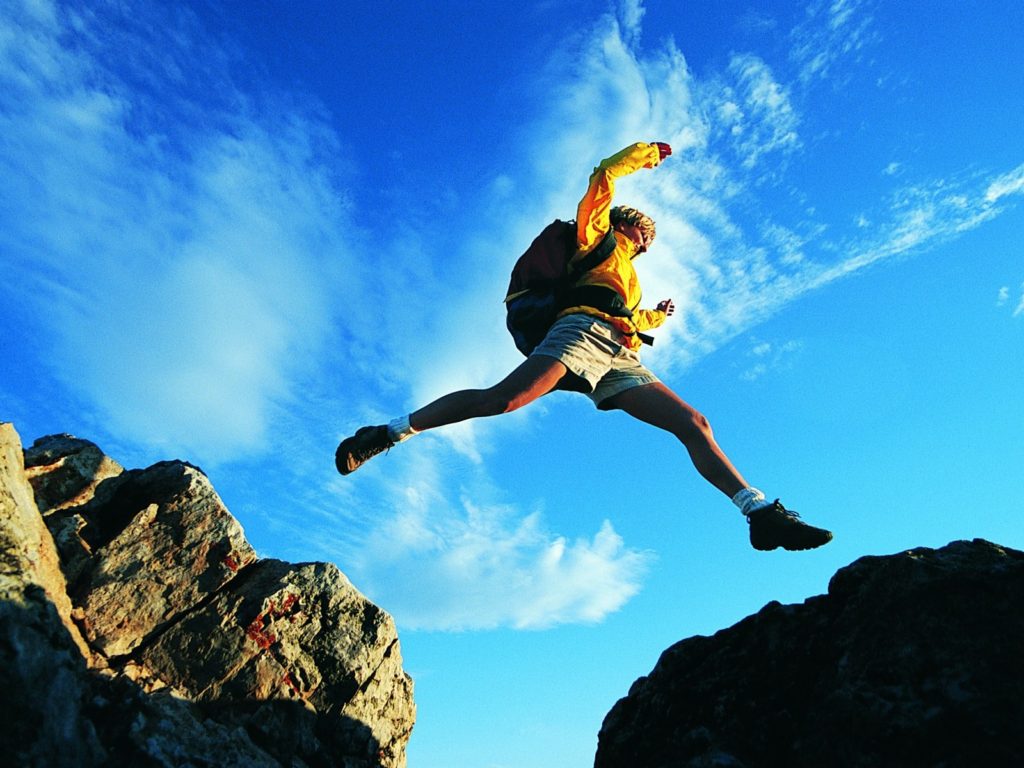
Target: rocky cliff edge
{"points": [[912, 659], [139, 627]]}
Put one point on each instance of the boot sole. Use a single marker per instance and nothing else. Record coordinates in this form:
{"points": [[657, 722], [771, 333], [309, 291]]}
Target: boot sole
{"points": [[764, 547]]}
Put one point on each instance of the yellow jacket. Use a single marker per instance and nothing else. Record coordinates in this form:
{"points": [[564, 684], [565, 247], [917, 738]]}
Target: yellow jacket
{"points": [[615, 272]]}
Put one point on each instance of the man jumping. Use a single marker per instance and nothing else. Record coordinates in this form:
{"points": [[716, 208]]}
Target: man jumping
{"points": [[593, 348]]}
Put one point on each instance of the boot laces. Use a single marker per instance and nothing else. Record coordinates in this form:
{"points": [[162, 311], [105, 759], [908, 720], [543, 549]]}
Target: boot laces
{"points": [[369, 446]]}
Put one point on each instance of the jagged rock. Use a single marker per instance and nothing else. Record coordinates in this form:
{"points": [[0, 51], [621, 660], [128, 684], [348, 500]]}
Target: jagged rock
{"points": [[161, 544], [293, 633], [42, 674], [73, 470], [68, 477], [200, 653], [913, 659], [27, 553]]}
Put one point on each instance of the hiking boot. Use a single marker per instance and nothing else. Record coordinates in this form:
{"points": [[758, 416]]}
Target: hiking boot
{"points": [[366, 443], [775, 526]]}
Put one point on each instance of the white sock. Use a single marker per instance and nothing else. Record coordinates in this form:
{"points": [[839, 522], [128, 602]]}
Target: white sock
{"points": [[749, 499], [399, 429]]}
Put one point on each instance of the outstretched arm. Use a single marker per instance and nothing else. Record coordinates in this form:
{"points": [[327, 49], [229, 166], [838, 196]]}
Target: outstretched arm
{"points": [[592, 214]]}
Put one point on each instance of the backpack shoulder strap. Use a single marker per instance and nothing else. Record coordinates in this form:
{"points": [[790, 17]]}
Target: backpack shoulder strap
{"points": [[601, 252]]}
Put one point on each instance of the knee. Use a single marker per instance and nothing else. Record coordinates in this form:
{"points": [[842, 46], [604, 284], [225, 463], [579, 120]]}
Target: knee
{"points": [[695, 428]]}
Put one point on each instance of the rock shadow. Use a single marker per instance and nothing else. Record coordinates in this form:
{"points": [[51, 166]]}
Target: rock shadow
{"points": [[55, 712]]}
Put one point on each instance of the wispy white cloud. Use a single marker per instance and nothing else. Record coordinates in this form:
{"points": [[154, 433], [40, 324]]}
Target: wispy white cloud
{"points": [[832, 31], [631, 14], [482, 571], [440, 558], [753, 20], [1010, 183], [917, 217], [766, 121], [1004, 297], [766, 356], [184, 263]]}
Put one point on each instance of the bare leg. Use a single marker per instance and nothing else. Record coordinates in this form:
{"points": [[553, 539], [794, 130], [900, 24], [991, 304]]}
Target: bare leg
{"points": [[535, 377], [658, 405]]}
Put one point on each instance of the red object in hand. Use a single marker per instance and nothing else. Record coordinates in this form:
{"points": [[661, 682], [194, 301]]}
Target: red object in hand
{"points": [[664, 150]]}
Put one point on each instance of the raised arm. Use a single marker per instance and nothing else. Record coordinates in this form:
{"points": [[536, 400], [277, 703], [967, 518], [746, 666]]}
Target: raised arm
{"points": [[592, 220]]}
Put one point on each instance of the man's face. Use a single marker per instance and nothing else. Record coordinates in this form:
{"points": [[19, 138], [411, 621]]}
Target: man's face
{"points": [[634, 233]]}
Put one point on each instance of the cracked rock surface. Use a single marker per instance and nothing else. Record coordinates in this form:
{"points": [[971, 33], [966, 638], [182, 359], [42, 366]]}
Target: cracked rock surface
{"points": [[139, 627]]}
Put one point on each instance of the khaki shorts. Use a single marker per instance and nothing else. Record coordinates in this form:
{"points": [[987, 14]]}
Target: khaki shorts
{"points": [[592, 349]]}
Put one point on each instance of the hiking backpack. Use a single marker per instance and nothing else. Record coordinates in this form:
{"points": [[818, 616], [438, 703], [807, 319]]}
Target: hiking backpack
{"points": [[542, 284]]}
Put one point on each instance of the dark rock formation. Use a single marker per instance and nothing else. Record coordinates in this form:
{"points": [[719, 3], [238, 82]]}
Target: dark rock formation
{"points": [[913, 659], [138, 627]]}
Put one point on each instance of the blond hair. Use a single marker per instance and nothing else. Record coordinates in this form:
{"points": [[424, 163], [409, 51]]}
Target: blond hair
{"points": [[627, 215]]}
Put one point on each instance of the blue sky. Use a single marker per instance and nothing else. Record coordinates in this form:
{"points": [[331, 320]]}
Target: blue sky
{"points": [[232, 233]]}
